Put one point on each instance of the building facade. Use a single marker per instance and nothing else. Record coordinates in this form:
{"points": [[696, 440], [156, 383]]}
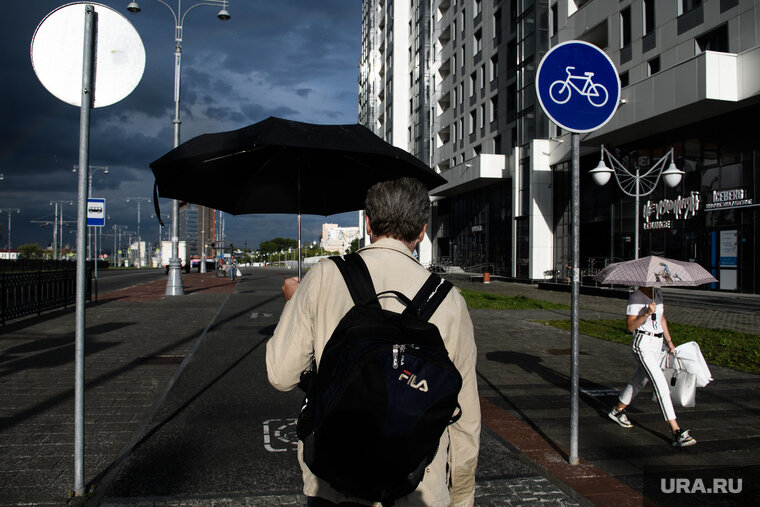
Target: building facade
{"points": [[457, 77], [195, 224]]}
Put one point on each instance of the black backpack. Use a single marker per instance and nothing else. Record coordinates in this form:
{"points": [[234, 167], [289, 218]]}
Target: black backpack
{"points": [[383, 395]]}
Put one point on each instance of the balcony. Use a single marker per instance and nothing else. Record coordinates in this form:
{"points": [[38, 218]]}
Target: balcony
{"points": [[478, 172], [702, 87]]}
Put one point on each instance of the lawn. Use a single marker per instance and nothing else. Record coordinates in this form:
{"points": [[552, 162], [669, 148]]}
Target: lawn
{"points": [[485, 301], [721, 347]]}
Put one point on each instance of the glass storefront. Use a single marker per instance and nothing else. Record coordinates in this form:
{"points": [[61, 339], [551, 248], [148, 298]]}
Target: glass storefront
{"points": [[473, 229], [709, 218]]}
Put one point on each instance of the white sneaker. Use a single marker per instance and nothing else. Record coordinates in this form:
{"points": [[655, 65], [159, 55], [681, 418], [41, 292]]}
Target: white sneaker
{"points": [[681, 438], [620, 418]]}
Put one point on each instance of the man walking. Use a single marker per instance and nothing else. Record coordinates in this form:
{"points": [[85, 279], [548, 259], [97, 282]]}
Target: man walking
{"points": [[396, 219]]}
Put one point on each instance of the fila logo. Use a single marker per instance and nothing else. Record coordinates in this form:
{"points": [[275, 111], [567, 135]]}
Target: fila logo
{"points": [[411, 381]]}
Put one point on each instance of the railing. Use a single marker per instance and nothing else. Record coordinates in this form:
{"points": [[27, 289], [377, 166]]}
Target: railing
{"points": [[23, 294], [19, 265]]}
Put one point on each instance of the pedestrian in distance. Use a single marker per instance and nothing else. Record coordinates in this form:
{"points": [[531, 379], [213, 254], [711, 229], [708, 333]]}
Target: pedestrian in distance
{"points": [[396, 220], [646, 320], [233, 268]]}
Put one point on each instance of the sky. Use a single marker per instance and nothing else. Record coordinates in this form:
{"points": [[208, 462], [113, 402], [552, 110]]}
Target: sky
{"points": [[295, 59]]}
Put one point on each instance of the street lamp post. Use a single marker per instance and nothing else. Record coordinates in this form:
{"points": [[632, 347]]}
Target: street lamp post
{"points": [[635, 184], [174, 280], [138, 200], [9, 211], [55, 226]]}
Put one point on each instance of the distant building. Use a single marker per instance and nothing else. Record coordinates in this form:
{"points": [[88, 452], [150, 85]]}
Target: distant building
{"points": [[338, 239], [196, 222]]}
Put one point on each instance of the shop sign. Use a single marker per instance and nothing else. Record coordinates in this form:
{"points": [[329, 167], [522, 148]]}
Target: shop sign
{"points": [[726, 199], [661, 214]]}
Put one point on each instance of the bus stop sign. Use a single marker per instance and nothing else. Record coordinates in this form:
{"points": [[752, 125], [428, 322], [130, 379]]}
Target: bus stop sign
{"points": [[578, 86]]}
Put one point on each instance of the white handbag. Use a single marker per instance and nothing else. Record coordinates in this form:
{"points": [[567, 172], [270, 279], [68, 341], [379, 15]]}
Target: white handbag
{"points": [[682, 384]]}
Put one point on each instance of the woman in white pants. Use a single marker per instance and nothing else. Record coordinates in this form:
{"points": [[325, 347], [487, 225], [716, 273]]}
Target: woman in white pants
{"points": [[645, 319]]}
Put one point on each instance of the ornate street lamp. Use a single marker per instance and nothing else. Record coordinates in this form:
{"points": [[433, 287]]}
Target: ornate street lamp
{"points": [[635, 184], [174, 285]]}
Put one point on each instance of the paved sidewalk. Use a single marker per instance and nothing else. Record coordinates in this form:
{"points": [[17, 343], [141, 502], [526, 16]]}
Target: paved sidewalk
{"points": [[132, 351], [138, 340]]}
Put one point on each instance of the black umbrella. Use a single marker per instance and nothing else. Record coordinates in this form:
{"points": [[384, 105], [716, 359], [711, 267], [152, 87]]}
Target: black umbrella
{"points": [[283, 166]]}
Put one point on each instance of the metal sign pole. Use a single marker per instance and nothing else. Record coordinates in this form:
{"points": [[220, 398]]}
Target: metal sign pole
{"points": [[90, 25], [575, 290]]}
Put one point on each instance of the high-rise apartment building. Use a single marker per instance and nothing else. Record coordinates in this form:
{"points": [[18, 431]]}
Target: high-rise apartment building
{"points": [[197, 223], [453, 82]]}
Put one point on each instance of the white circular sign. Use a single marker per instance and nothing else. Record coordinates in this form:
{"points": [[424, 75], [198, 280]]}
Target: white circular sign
{"points": [[58, 51]]}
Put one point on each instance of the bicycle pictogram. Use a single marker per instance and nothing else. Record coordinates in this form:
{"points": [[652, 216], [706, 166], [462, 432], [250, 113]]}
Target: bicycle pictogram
{"points": [[560, 90]]}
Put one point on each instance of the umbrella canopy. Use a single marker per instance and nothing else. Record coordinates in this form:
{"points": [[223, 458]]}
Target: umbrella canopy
{"points": [[283, 166], [655, 271]]}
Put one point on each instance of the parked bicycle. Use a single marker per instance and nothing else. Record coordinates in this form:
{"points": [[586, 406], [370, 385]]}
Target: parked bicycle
{"points": [[560, 91]]}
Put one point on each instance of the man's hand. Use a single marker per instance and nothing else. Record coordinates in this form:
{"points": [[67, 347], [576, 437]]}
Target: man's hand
{"points": [[289, 287]]}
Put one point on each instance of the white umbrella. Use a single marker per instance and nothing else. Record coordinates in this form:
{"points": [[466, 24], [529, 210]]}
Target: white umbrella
{"points": [[655, 271]]}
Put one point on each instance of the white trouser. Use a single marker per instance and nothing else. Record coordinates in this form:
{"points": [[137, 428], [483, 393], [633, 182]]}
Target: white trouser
{"points": [[646, 350]]}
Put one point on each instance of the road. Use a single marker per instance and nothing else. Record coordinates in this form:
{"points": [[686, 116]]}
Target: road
{"points": [[109, 280]]}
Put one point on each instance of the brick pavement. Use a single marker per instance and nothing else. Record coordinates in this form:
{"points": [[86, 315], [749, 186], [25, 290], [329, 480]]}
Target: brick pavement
{"points": [[132, 360], [129, 361]]}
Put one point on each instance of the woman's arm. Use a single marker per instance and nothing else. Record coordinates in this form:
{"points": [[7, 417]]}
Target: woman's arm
{"points": [[666, 334], [634, 321]]}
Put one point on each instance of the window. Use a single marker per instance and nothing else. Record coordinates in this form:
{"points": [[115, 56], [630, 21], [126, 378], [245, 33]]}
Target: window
{"points": [[624, 79], [493, 108], [477, 42], [648, 12], [714, 40], [473, 79], [494, 68], [482, 122], [482, 76], [553, 20], [496, 28], [653, 66], [461, 93], [461, 128], [687, 5], [477, 7], [625, 27], [471, 125]]}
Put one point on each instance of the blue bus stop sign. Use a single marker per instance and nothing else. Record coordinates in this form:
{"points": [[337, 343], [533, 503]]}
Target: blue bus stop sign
{"points": [[578, 86]]}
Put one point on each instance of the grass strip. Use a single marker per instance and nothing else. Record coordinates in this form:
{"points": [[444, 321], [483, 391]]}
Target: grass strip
{"points": [[485, 301], [721, 347]]}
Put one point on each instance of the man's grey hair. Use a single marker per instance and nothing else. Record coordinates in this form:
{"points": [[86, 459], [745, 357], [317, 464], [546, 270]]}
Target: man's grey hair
{"points": [[398, 208]]}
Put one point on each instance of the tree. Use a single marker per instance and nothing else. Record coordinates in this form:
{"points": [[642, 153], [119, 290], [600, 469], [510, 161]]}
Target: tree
{"points": [[30, 251]]}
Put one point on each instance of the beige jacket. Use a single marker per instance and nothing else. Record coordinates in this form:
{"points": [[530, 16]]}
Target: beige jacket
{"points": [[309, 319]]}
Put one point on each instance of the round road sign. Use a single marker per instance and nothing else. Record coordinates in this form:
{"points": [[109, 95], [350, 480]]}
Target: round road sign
{"points": [[578, 86]]}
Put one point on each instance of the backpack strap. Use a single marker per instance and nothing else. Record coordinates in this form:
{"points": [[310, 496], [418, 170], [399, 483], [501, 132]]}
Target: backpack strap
{"points": [[357, 278], [362, 290], [430, 296]]}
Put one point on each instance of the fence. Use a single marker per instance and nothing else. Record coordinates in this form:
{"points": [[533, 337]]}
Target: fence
{"points": [[24, 265], [23, 294]]}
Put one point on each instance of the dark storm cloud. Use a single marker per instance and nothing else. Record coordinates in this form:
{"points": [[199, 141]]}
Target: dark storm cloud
{"points": [[294, 59]]}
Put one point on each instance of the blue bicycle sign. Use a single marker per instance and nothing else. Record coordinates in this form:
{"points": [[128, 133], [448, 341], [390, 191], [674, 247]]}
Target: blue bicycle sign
{"points": [[578, 86], [560, 91]]}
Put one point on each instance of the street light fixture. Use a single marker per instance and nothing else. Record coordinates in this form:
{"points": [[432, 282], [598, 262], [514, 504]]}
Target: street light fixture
{"points": [[634, 184], [174, 280]]}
